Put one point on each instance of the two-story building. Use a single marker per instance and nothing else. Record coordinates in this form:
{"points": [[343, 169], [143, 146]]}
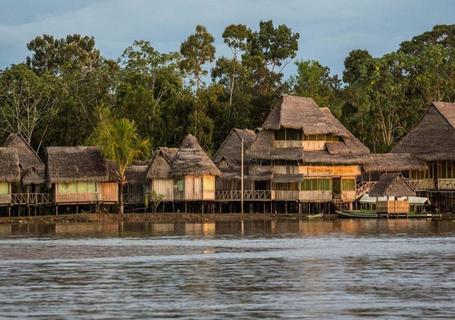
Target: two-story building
{"points": [[301, 156], [433, 140]]}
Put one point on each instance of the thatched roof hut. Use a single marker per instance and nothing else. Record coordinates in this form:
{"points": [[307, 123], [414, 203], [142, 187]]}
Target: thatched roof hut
{"points": [[191, 159], [9, 165], [392, 162], [303, 113], [433, 137], [33, 169], [230, 149], [74, 164], [391, 184], [160, 164], [136, 174]]}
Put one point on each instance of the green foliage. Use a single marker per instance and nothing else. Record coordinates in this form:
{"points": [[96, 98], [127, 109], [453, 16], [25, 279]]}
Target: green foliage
{"points": [[314, 80], [55, 96], [196, 51], [27, 101], [121, 143]]}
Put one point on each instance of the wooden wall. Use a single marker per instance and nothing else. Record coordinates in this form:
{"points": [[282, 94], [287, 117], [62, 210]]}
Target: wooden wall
{"points": [[5, 196], [164, 187], [105, 192], [109, 191]]}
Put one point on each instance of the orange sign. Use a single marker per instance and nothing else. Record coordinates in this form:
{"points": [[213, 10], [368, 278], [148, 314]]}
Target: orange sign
{"points": [[335, 171]]}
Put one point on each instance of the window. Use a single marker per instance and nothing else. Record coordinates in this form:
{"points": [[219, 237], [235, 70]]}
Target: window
{"points": [[180, 186], [288, 134], [348, 184], [316, 184], [4, 188], [77, 187], [286, 186], [280, 134]]}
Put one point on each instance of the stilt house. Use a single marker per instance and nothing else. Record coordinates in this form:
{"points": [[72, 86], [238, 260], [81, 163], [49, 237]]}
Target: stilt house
{"points": [[304, 154], [9, 174], [32, 168], [394, 191], [136, 184], [193, 172], [228, 159], [80, 175], [433, 140], [158, 175]]}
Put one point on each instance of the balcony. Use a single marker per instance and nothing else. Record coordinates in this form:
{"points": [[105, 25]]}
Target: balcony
{"points": [[31, 198], [248, 195]]}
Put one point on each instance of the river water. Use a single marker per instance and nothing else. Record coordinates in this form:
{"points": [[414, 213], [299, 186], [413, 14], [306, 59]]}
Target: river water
{"points": [[341, 269]]}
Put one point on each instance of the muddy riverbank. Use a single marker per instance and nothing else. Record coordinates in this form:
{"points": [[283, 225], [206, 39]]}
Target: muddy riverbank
{"points": [[148, 217]]}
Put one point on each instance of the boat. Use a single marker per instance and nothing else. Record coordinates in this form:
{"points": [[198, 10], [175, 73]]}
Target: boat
{"points": [[359, 214], [363, 214], [314, 216]]}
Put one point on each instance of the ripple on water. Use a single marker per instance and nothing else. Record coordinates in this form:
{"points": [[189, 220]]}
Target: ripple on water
{"points": [[339, 274]]}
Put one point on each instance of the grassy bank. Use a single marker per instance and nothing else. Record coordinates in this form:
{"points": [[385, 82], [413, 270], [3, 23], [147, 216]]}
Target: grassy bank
{"points": [[143, 217]]}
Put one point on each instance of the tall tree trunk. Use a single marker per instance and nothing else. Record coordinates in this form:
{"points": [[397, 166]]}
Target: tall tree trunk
{"points": [[120, 198]]}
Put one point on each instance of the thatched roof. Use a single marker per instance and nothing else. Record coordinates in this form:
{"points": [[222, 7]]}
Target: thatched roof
{"points": [[136, 174], [191, 159], [350, 144], [70, 164], [349, 150], [391, 184], [299, 113], [9, 165], [433, 137], [33, 170], [160, 165], [230, 149], [392, 162]]}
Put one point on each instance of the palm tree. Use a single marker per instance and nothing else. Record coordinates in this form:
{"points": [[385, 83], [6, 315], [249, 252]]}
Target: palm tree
{"points": [[120, 142]]}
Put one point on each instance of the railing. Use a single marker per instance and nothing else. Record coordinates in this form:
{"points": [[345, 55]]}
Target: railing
{"points": [[31, 198], [247, 195], [421, 185], [446, 184], [363, 188]]}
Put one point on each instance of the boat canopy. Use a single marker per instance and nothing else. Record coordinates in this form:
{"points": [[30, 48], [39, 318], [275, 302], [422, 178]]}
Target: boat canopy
{"points": [[412, 200]]}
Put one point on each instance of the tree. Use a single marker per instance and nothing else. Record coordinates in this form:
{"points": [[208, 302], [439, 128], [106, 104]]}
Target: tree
{"points": [[314, 80], [236, 37], [149, 82], [86, 81], [27, 101], [60, 56], [196, 51], [120, 142], [442, 35]]}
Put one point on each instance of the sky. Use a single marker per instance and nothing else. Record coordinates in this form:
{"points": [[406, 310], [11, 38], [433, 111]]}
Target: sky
{"points": [[329, 30]]}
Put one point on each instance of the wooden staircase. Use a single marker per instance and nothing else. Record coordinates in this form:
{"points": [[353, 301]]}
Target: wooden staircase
{"points": [[363, 188], [339, 203]]}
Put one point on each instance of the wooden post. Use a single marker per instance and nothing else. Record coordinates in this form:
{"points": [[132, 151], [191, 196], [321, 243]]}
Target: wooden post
{"points": [[241, 178], [28, 200]]}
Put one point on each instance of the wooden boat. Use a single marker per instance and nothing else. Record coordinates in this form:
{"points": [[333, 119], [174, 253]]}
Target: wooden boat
{"points": [[314, 216], [359, 214]]}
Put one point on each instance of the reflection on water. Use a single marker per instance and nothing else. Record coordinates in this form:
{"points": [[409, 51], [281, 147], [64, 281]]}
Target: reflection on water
{"points": [[231, 269], [256, 227]]}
